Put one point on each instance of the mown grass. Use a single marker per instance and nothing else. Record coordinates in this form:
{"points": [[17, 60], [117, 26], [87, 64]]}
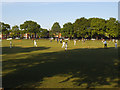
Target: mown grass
{"points": [[86, 65]]}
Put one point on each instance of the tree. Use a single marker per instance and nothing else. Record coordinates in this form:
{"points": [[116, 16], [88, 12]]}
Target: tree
{"points": [[111, 28], [118, 29], [15, 31], [31, 27], [44, 33], [80, 27], [55, 30], [97, 27], [67, 30], [4, 28]]}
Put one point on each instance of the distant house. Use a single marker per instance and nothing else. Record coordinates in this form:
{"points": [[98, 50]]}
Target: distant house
{"points": [[26, 35], [3, 36], [29, 36], [58, 36], [0, 35]]}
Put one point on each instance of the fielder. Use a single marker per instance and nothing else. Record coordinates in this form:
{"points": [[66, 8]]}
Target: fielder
{"points": [[115, 44], [10, 44], [105, 44], [63, 44], [35, 43], [66, 46], [74, 42]]}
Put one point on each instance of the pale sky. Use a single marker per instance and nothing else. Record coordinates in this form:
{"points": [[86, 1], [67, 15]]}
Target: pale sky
{"points": [[46, 13], [60, 0]]}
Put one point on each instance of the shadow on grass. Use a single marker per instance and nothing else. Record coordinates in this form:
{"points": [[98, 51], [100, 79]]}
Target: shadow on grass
{"points": [[93, 67], [8, 50]]}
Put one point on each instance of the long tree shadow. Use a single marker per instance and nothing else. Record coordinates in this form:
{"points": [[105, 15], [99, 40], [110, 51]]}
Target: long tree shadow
{"points": [[8, 50], [94, 67]]}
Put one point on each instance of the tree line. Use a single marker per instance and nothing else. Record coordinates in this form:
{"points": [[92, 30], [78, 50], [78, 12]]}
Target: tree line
{"points": [[82, 28]]}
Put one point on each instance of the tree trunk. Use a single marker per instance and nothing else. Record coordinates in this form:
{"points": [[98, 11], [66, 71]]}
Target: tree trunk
{"points": [[35, 34], [97, 37], [6, 36]]}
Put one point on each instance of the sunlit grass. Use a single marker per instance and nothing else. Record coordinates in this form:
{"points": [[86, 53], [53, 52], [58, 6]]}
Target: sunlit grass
{"points": [[85, 65]]}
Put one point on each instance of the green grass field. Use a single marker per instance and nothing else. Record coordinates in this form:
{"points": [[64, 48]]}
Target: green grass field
{"points": [[86, 65]]}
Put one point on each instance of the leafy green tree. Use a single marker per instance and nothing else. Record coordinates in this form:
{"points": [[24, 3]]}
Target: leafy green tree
{"points": [[118, 29], [67, 30], [23, 30], [97, 27], [44, 33], [4, 28], [51, 34], [80, 27], [15, 31], [111, 28], [55, 30], [31, 27]]}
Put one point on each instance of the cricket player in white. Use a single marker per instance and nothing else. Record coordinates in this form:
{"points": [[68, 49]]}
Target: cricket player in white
{"points": [[105, 44], [63, 44], [115, 44], [74, 42], [10, 44], [35, 43], [66, 46]]}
